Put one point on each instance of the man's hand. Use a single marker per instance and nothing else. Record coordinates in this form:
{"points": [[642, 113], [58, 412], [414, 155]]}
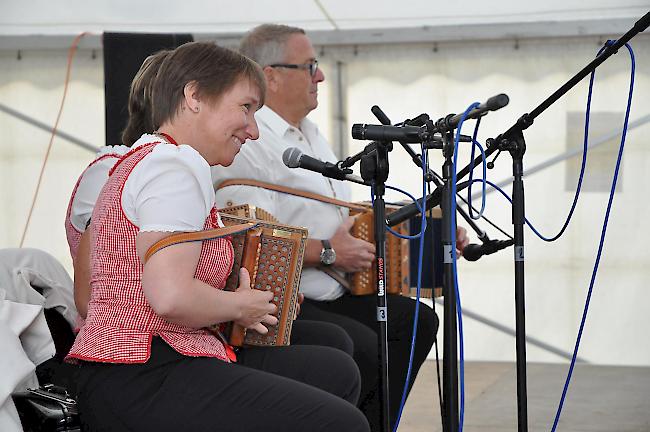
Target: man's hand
{"points": [[462, 240], [352, 254]]}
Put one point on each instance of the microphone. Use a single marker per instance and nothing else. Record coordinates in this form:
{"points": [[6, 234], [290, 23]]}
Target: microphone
{"points": [[294, 158], [472, 252], [406, 134]]}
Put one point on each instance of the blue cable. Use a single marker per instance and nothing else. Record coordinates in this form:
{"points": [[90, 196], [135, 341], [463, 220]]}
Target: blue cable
{"points": [[471, 175], [605, 221], [419, 207], [416, 315], [483, 181], [415, 201], [459, 310], [604, 231]]}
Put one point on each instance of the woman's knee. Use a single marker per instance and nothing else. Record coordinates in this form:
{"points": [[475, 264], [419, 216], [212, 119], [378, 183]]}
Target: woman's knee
{"points": [[341, 372], [339, 339], [350, 418], [427, 325], [309, 332], [326, 368]]}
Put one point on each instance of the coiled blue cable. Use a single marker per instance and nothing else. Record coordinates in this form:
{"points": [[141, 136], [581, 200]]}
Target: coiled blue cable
{"points": [[605, 221]]}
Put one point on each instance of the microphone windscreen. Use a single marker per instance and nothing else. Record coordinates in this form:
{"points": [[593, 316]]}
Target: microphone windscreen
{"points": [[291, 157], [497, 102], [472, 252], [357, 131]]}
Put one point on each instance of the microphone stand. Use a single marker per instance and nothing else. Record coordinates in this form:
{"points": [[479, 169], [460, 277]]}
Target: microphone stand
{"points": [[450, 408], [374, 169], [513, 142], [450, 418]]}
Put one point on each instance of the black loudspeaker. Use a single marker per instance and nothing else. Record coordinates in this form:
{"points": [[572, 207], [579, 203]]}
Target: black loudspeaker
{"points": [[123, 56]]}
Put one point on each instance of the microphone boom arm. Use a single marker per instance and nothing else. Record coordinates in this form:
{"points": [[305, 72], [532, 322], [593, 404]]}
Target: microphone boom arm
{"points": [[524, 122]]}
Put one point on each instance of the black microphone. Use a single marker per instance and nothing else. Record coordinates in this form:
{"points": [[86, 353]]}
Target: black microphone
{"points": [[294, 158], [406, 134], [472, 252]]}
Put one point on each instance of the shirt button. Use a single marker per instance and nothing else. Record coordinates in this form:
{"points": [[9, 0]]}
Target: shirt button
{"points": [[299, 138]]}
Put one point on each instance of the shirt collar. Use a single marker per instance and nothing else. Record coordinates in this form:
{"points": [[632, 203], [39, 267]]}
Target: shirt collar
{"points": [[146, 139], [280, 126]]}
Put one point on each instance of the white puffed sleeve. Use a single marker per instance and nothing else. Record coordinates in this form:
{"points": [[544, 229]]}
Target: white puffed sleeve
{"points": [[91, 183], [169, 190]]}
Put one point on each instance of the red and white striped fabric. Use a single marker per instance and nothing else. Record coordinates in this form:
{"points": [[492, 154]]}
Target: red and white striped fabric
{"points": [[120, 322]]}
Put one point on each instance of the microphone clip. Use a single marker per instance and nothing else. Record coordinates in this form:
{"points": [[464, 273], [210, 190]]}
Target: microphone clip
{"points": [[336, 171]]}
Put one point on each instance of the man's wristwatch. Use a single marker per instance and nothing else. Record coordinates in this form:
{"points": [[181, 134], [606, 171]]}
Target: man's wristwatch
{"points": [[327, 254]]}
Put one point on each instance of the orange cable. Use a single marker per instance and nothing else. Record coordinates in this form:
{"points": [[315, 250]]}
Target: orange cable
{"points": [[71, 53]]}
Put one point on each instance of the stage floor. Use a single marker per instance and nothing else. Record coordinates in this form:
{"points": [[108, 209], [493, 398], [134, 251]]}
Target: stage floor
{"points": [[599, 399]]}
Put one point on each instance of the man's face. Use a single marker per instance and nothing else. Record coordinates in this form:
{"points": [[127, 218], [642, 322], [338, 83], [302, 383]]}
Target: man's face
{"points": [[297, 88]]}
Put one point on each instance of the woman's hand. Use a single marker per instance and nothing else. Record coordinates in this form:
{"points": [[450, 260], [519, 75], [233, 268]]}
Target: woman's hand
{"points": [[301, 298], [256, 308]]}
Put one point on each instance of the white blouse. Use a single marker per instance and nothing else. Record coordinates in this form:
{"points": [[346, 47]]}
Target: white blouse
{"points": [[170, 189], [91, 183]]}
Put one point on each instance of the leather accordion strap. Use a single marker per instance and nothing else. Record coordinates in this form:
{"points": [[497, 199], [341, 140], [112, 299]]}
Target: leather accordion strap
{"points": [[196, 236], [336, 276], [291, 191]]}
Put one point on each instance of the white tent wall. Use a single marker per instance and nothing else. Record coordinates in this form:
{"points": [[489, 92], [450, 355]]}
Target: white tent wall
{"points": [[33, 85], [406, 80]]}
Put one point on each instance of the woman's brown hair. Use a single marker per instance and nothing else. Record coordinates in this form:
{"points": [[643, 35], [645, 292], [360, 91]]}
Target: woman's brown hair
{"points": [[140, 115], [214, 69]]}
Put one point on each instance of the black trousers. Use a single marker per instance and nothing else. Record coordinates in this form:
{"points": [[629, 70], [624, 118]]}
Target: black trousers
{"points": [[309, 332], [294, 388], [357, 315]]}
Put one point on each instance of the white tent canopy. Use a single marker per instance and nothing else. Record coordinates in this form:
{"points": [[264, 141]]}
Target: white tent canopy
{"points": [[330, 22]]}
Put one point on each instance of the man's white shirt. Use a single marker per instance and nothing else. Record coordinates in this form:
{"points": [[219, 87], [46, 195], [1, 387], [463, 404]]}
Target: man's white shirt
{"points": [[262, 160]]}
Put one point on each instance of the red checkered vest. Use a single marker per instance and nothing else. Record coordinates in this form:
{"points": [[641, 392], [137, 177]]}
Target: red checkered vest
{"points": [[120, 322], [73, 234]]}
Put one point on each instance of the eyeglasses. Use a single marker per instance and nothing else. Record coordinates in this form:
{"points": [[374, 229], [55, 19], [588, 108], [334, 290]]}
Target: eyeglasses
{"points": [[311, 67]]}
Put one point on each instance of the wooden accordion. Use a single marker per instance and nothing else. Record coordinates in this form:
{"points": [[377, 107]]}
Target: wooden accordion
{"points": [[273, 254], [397, 256], [399, 269]]}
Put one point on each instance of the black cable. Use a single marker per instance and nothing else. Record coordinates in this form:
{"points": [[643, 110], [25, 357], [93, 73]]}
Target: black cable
{"points": [[495, 226]]}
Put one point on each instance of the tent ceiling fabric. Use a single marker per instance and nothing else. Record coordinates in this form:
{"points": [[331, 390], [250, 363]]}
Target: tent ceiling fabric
{"points": [[328, 21]]}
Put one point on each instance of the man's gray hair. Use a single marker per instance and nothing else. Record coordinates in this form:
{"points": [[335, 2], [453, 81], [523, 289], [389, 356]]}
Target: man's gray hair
{"points": [[266, 43]]}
